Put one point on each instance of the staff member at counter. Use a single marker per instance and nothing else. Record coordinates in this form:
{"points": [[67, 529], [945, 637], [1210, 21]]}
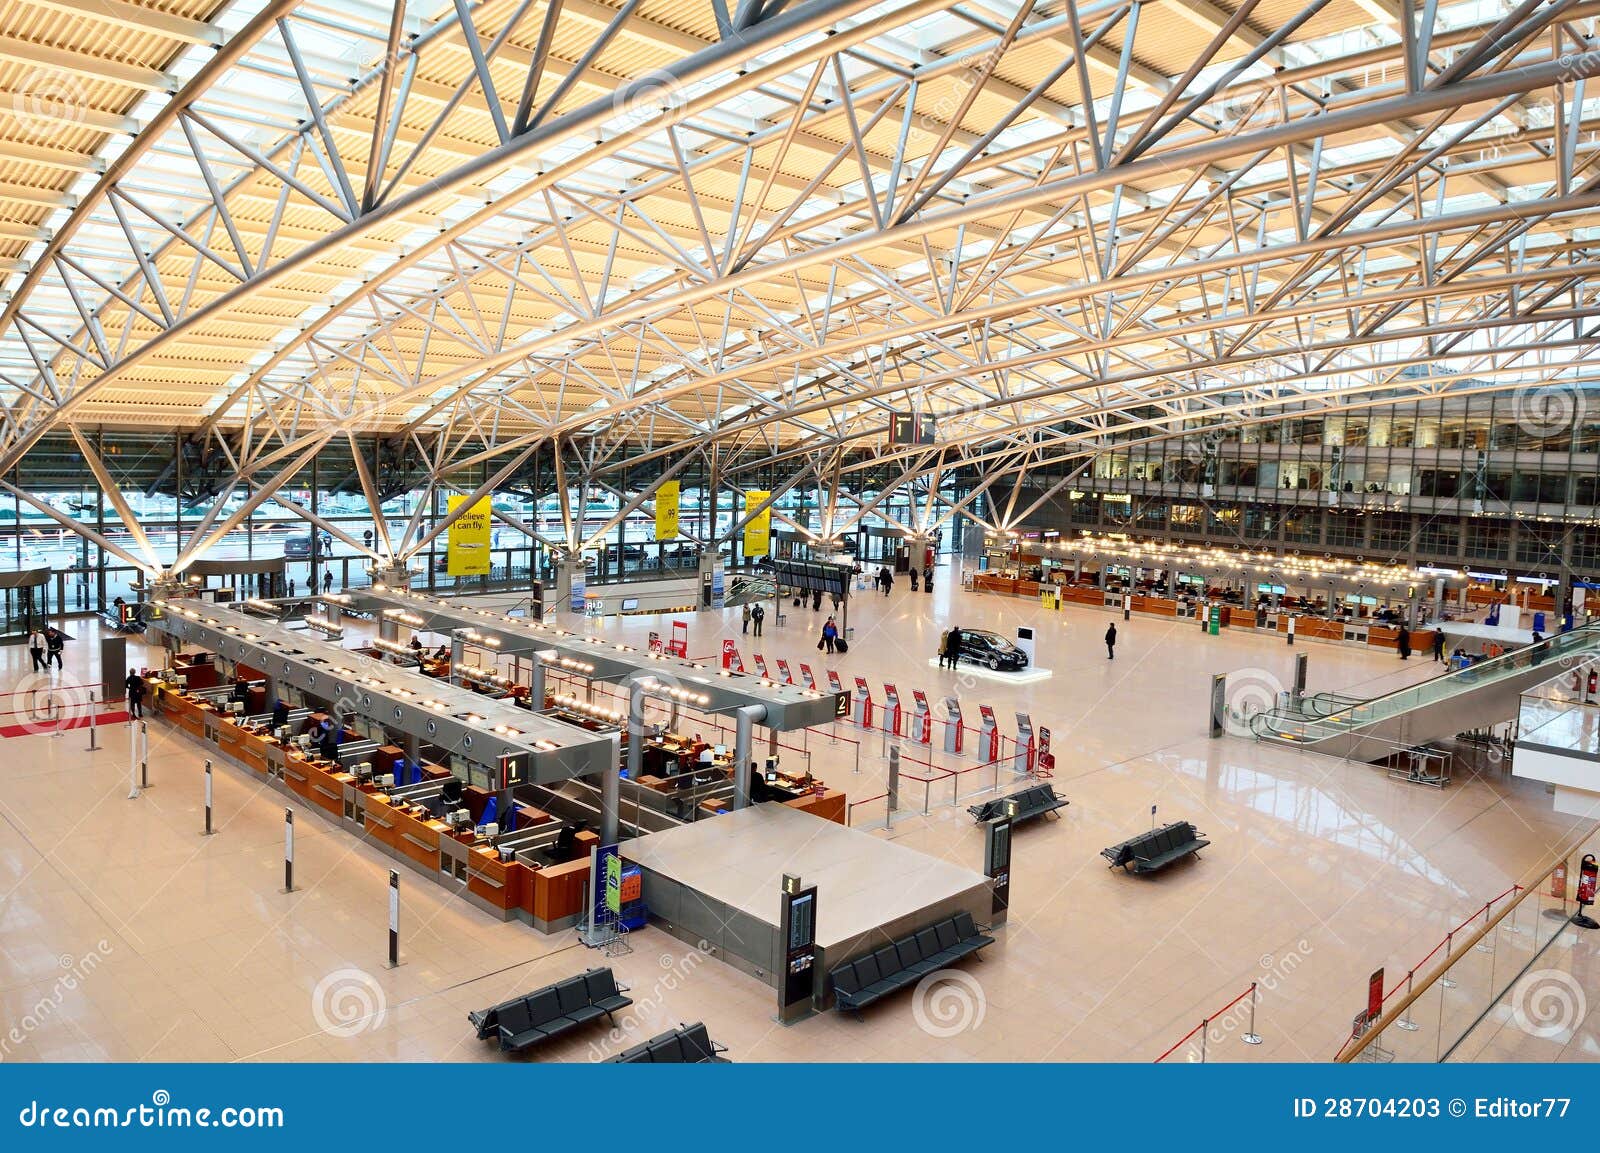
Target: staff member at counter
{"points": [[328, 741]]}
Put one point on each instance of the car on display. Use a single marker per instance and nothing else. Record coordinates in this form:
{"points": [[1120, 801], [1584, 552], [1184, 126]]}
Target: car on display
{"points": [[982, 647]]}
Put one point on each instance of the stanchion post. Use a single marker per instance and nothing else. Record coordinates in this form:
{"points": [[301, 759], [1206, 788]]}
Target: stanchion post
{"points": [[93, 732], [288, 850], [394, 919], [1205, 1027], [144, 756], [1251, 1037], [133, 762], [1405, 1022], [1449, 943], [209, 829]]}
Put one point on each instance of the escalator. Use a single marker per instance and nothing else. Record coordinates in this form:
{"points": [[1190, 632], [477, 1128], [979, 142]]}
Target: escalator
{"points": [[1436, 709]]}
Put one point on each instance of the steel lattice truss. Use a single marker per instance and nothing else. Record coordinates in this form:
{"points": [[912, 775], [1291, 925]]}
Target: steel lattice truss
{"points": [[649, 232]]}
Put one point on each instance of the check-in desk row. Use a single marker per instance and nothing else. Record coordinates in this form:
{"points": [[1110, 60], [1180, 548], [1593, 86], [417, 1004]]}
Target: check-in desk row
{"points": [[549, 897]]}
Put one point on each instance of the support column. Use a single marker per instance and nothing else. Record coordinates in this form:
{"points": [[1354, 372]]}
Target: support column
{"points": [[611, 795], [636, 695], [743, 739], [536, 689]]}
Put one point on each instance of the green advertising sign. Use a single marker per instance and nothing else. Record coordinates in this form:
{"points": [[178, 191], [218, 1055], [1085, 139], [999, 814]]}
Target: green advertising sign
{"points": [[614, 883]]}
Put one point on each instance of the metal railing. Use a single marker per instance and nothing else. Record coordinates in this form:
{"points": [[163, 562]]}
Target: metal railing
{"points": [[1426, 1016], [1580, 641]]}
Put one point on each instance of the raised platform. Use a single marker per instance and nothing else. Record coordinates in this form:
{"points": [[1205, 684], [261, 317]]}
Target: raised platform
{"points": [[1025, 676], [719, 880]]}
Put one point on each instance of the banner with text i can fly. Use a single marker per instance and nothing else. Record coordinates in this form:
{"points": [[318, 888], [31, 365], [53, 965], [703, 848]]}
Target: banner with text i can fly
{"points": [[667, 511], [467, 553], [758, 529]]}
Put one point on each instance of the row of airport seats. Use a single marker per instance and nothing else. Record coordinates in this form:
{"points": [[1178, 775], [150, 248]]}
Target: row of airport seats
{"points": [[1153, 851], [685, 1045], [528, 1021], [1034, 801], [859, 983]]}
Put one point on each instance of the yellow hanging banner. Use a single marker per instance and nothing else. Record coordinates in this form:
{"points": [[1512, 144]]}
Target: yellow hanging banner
{"points": [[667, 511], [467, 553], [758, 529]]}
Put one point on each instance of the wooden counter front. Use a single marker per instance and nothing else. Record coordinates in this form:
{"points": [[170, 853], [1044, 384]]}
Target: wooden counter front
{"points": [[830, 806], [498, 882], [555, 891]]}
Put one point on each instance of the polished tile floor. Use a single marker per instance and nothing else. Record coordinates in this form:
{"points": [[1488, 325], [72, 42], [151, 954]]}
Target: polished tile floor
{"points": [[127, 935]]}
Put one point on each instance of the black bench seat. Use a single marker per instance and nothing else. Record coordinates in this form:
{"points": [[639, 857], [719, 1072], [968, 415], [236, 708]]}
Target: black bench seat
{"points": [[1153, 851], [1034, 801], [685, 1045], [906, 961], [525, 1022]]}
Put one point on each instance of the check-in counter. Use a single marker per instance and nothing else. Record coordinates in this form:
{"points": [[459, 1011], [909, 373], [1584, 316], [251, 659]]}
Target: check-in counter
{"points": [[829, 805], [552, 898], [495, 883]]}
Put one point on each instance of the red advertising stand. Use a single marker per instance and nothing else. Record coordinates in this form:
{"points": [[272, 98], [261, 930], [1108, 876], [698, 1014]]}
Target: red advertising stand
{"points": [[1046, 760], [1375, 996], [730, 654], [1588, 874], [678, 642], [655, 642]]}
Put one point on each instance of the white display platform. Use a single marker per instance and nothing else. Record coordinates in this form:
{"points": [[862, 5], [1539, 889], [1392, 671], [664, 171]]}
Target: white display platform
{"points": [[1025, 677]]}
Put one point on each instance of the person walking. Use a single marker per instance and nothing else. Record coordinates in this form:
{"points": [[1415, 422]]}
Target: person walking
{"points": [[36, 649], [757, 614], [1111, 641], [952, 646], [327, 580], [54, 641], [291, 586], [816, 600], [927, 579], [830, 635], [135, 688], [1403, 643], [746, 627], [913, 578], [888, 579], [1438, 644]]}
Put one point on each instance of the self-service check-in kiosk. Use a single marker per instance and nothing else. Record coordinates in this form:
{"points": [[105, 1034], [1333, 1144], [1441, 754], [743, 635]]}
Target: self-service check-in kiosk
{"points": [[890, 720], [730, 655], [988, 736], [954, 730], [783, 671], [921, 718], [1022, 759], [809, 677], [761, 664], [834, 683], [863, 703]]}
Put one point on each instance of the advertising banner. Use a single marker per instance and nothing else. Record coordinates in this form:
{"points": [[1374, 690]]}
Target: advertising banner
{"points": [[667, 511], [758, 529], [467, 547]]}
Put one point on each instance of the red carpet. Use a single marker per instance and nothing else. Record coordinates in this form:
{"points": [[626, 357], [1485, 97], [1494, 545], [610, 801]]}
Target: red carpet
{"points": [[56, 726]]}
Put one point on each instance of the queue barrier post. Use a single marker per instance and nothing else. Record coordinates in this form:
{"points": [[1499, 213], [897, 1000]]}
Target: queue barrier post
{"points": [[288, 850], [93, 731], [1251, 1037], [144, 755], [1449, 942], [209, 829], [1405, 1022]]}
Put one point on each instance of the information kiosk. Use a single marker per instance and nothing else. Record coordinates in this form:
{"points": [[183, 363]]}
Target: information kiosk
{"points": [[1022, 758], [797, 922], [891, 720], [809, 677], [863, 704]]}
